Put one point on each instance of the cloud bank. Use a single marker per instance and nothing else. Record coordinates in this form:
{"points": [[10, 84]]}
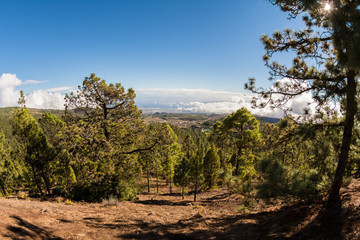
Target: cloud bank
{"points": [[157, 99], [208, 101], [43, 99]]}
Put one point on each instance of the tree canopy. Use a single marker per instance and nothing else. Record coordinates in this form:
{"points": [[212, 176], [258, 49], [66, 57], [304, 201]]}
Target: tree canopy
{"points": [[326, 63]]}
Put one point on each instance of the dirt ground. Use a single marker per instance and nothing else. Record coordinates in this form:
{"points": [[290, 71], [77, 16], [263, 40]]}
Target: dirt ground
{"points": [[216, 215]]}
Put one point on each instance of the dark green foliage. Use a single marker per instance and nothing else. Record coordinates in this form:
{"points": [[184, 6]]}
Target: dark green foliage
{"points": [[8, 172], [103, 188], [246, 167], [160, 160], [239, 135], [280, 181], [104, 139], [325, 64], [63, 174], [91, 155], [171, 155], [197, 168], [100, 152], [39, 154], [211, 167], [298, 161], [182, 175]]}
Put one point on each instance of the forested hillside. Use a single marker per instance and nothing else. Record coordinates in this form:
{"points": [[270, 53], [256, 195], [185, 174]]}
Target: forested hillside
{"points": [[101, 147]]}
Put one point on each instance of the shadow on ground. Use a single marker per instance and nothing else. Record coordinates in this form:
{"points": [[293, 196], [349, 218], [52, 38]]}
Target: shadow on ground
{"points": [[24, 229], [300, 221], [164, 202], [294, 222]]}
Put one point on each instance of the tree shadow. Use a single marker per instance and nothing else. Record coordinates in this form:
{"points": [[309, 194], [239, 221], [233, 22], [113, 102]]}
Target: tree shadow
{"points": [[94, 219], [174, 194], [164, 202], [299, 221], [65, 220], [216, 197], [264, 225], [328, 224], [27, 229]]}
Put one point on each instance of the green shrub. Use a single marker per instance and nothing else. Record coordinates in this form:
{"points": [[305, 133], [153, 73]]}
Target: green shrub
{"points": [[238, 185], [59, 191], [21, 195], [102, 188], [281, 181]]}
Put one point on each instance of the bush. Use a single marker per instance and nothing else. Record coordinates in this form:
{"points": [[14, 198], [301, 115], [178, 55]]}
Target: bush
{"points": [[282, 181], [102, 188], [225, 174], [111, 201], [246, 206], [21, 195], [59, 191]]}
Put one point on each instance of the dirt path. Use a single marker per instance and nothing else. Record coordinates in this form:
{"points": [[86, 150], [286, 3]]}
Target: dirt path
{"points": [[217, 215]]}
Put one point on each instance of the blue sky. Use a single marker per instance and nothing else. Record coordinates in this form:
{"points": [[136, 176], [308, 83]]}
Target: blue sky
{"points": [[213, 45]]}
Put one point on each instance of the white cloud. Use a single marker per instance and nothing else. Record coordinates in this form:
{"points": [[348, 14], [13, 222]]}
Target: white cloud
{"points": [[61, 89], [9, 96], [176, 96], [299, 103], [185, 100], [33, 82], [45, 99], [229, 107], [208, 101]]}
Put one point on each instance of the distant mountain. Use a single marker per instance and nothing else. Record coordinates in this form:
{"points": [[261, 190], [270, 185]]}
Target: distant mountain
{"points": [[184, 119], [268, 119], [34, 111]]}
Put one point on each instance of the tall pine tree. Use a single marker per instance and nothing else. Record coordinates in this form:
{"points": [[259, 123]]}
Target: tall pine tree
{"points": [[326, 63]]}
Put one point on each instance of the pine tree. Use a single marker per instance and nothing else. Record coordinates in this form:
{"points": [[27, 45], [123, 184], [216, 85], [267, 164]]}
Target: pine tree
{"points": [[211, 166], [39, 154], [104, 133], [172, 155], [55, 130], [242, 128], [147, 161], [7, 168], [182, 175], [327, 64], [197, 166], [109, 113]]}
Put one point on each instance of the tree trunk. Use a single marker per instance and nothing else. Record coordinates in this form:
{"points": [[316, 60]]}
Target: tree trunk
{"points": [[37, 183], [284, 152], [47, 184], [237, 161], [3, 189], [148, 180], [196, 187], [222, 157], [157, 181], [351, 109], [170, 186], [106, 132]]}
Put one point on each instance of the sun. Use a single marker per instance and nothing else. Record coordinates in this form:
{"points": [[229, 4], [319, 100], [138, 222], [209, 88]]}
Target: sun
{"points": [[327, 7]]}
